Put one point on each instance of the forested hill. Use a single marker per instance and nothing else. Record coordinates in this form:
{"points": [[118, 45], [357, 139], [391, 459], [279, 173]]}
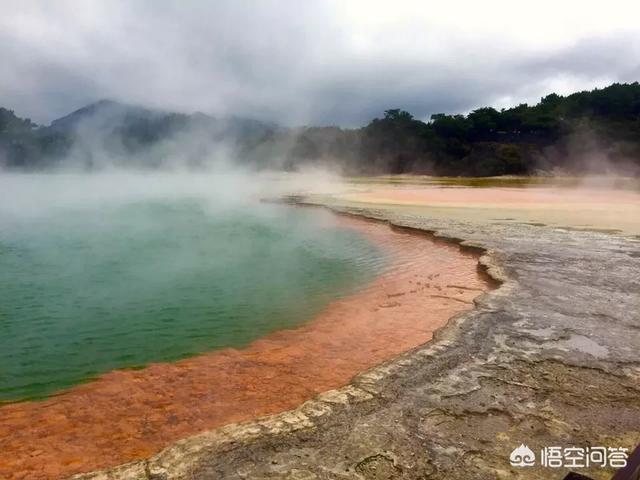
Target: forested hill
{"points": [[111, 133], [582, 132]]}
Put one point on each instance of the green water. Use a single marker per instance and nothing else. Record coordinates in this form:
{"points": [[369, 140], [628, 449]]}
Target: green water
{"points": [[87, 290]]}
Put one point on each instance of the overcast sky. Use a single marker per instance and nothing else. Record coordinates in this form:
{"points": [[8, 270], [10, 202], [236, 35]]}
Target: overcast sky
{"points": [[309, 62]]}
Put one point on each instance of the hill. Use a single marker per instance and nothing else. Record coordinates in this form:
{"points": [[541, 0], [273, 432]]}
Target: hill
{"points": [[112, 133], [585, 132]]}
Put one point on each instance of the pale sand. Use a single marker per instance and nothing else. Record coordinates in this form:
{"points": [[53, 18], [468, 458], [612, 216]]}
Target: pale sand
{"points": [[127, 415], [588, 208]]}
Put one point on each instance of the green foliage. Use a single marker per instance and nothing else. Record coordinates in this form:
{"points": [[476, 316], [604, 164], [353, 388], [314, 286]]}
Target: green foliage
{"points": [[484, 142], [509, 141], [12, 125]]}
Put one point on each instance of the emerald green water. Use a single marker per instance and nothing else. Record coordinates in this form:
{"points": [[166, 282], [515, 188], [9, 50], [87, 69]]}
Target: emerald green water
{"points": [[87, 290]]}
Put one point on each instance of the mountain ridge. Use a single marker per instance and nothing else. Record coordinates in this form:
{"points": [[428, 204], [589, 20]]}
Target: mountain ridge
{"points": [[590, 131]]}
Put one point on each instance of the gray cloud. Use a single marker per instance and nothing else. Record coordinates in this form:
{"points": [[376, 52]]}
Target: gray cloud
{"points": [[302, 62]]}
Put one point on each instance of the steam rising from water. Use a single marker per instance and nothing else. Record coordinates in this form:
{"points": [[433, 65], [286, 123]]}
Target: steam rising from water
{"points": [[39, 194], [107, 270]]}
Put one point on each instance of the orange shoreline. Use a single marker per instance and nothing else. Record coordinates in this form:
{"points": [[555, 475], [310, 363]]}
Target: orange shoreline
{"points": [[126, 415]]}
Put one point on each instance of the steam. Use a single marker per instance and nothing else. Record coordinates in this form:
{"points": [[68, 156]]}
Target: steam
{"points": [[595, 155], [32, 195], [193, 157]]}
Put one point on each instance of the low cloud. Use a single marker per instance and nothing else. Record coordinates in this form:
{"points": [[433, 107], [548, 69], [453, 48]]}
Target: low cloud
{"points": [[292, 62]]}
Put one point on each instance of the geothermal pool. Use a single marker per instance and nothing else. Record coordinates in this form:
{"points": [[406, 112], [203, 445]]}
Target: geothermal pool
{"points": [[87, 290], [154, 310]]}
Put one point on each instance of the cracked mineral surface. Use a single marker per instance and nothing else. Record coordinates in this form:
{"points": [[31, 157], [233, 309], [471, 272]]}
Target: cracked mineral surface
{"points": [[550, 358]]}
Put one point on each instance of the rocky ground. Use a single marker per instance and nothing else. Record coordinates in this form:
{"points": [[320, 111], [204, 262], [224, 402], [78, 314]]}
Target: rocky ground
{"points": [[550, 358]]}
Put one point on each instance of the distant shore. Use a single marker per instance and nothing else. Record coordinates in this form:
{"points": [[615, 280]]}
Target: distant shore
{"points": [[596, 203]]}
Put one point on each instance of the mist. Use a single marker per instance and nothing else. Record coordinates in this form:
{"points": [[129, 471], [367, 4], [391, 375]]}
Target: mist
{"points": [[211, 101], [37, 194], [112, 154], [589, 152]]}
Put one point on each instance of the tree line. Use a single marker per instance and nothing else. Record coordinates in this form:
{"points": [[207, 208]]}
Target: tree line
{"points": [[560, 132], [584, 131]]}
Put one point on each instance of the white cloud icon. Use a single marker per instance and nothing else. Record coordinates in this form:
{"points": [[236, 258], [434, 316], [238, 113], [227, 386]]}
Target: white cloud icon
{"points": [[522, 456]]}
